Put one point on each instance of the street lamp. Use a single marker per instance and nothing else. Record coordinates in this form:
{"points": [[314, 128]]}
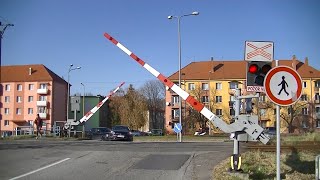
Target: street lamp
{"points": [[1, 35], [195, 13], [70, 69], [84, 91]]}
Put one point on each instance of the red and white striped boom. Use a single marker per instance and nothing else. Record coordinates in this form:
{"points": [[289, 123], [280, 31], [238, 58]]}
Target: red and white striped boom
{"points": [[215, 120], [95, 109]]}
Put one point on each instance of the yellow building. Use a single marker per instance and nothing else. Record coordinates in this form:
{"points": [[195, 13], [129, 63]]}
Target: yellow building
{"points": [[213, 83]]}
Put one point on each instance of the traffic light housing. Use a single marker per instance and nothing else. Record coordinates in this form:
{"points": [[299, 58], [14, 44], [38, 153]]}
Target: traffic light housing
{"points": [[256, 72]]}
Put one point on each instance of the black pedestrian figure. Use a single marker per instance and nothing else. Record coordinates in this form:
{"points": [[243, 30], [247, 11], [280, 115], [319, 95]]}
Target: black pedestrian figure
{"points": [[283, 86]]}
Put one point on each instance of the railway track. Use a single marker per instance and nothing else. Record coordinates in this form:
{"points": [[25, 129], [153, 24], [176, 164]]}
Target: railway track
{"points": [[301, 146]]}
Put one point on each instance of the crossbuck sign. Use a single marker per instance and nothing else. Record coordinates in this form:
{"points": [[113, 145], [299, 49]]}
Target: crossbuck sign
{"points": [[259, 51]]}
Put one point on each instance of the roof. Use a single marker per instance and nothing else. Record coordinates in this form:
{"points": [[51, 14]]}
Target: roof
{"points": [[20, 73], [232, 70]]}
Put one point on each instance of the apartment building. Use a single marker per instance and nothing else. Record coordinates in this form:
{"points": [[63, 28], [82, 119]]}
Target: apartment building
{"points": [[27, 90], [214, 82]]}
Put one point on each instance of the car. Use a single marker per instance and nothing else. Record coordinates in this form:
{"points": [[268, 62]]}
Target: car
{"points": [[122, 132], [136, 133], [98, 133]]}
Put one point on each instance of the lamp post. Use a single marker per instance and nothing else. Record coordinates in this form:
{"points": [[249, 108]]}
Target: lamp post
{"points": [[68, 96], [195, 13], [1, 35], [84, 91]]}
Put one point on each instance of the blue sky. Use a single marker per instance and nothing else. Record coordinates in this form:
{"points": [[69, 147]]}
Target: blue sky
{"points": [[58, 33]]}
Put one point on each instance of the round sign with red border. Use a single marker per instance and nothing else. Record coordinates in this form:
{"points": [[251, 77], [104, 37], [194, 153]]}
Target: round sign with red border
{"points": [[283, 85]]}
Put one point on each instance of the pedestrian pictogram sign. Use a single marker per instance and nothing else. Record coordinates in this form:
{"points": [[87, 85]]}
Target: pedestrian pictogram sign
{"points": [[283, 85], [259, 51]]}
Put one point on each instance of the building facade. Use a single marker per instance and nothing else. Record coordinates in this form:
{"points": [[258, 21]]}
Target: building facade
{"points": [[214, 82], [28, 90]]}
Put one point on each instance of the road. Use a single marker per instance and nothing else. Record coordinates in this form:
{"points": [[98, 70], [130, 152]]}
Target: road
{"points": [[44, 159]]}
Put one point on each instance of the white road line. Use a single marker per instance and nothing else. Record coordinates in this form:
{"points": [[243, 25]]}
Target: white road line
{"points": [[26, 174]]}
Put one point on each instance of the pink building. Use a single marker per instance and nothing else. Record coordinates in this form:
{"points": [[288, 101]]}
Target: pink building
{"points": [[27, 90]]}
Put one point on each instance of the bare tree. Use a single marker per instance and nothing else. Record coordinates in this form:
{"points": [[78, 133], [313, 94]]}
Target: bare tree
{"points": [[154, 92], [292, 114]]}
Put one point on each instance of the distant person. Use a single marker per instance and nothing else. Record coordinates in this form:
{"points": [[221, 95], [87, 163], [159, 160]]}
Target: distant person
{"points": [[38, 121]]}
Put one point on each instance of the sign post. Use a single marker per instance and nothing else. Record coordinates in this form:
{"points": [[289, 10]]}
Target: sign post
{"points": [[283, 86]]}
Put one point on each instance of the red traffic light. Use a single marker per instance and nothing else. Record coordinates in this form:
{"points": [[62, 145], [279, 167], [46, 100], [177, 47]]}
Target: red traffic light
{"points": [[253, 68]]}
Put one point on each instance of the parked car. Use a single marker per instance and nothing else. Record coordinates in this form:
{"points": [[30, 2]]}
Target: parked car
{"points": [[98, 133], [122, 132], [136, 133]]}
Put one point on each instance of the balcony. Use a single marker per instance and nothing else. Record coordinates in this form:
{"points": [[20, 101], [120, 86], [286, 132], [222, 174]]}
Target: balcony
{"points": [[42, 91], [42, 103], [43, 115]]}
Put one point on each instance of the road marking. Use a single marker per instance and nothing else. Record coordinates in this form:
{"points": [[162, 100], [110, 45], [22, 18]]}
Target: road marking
{"points": [[40, 169]]}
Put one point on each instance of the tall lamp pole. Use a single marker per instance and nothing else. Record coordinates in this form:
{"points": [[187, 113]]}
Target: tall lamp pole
{"points": [[1, 35], [84, 92], [70, 69], [179, 47]]}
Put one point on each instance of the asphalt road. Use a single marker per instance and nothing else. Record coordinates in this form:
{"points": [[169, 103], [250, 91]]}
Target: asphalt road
{"points": [[44, 159]]}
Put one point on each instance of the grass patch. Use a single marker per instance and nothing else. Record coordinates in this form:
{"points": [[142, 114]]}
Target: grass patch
{"points": [[262, 165]]}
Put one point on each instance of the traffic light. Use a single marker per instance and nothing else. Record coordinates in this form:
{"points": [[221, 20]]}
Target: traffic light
{"points": [[256, 71]]}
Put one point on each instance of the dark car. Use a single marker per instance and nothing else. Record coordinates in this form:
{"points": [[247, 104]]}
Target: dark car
{"points": [[122, 132], [98, 133]]}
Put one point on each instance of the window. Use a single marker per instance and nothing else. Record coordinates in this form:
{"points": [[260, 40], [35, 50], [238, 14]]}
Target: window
{"points": [[289, 110], [233, 85], [303, 97], [41, 109], [304, 84], [31, 86], [317, 109], [30, 110], [7, 99], [43, 86], [304, 124], [7, 87], [219, 112], [218, 86], [18, 111], [175, 100], [30, 98], [317, 84], [218, 99], [191, 86], [262, 98], [232, 112], [42, 98], [205, 99], [175, 113], [19, 99], [304, 111], [19, 87], [6, 110], [205, 86], [274, 111], [263, 112], [30, 122], [6, 122], [318, 124], [317, 96]]}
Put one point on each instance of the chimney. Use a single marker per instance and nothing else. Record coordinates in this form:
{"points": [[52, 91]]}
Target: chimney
{"points": [[306, 61], [30, 71], [294, 62]]}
